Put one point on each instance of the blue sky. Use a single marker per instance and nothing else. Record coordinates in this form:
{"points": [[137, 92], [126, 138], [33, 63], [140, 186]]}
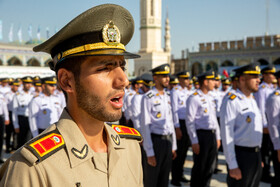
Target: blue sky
{"points": [[191, 21]]}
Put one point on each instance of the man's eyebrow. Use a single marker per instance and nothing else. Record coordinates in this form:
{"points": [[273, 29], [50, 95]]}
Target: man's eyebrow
{"points": [[111, 62]]}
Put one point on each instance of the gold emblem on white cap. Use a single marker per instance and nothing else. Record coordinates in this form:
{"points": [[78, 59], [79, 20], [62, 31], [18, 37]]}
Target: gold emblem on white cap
{"points": [[111, 34]]}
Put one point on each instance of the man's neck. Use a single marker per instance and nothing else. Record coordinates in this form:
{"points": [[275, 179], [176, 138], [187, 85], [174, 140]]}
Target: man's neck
{"points": [[246, 92], [160, 89], [204, 90], [182, 85], [92, 129]]}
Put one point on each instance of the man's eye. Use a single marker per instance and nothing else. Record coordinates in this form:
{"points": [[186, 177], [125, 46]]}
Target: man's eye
{"points": [[103, 69]]}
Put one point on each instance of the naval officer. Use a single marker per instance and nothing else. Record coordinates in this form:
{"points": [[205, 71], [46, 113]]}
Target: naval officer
{"points": [[273, 123], [80, 149], [241, 130], [203, 129], [159, 139]]}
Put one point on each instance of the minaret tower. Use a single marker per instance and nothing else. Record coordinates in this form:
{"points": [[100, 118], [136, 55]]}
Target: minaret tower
{"points": [[151, 49], [150, 15], [167, 47]]}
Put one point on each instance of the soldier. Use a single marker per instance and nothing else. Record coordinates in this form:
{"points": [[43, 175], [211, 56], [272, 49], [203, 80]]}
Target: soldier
{"points": [[203, 129], [4, 88], [136, 111], [241, 130], [37, 86], [159, 139], [195, 82], [173, 82], [190, 86], [273, 116], [80, 149], [147, 80], [136, 85], [4, 120], [265, 89], [10, 131], [225, 85], [179, 95], [20, 113], [44, 109]]}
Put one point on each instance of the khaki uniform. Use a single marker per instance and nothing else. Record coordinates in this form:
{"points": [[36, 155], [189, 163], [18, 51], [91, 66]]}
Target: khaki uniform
{"points": [[74, 163]]}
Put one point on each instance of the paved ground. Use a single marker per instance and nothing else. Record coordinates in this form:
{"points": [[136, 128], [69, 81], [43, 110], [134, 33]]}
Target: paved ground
{"points": [[218, 180]]}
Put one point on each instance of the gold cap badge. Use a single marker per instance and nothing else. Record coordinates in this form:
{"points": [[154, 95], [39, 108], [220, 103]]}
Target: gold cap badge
{"points": [[111, 34]]}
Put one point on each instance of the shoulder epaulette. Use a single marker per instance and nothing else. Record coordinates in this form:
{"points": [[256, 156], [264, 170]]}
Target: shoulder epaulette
{"points": [[176, 88], [276, 93], [168, 93], [232, 97], [195, 93], [127, 132], [150, 95], [46, 145], [263, 86]]}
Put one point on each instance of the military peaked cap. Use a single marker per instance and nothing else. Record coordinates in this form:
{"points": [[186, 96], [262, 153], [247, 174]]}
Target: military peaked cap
{"points": [[163, 69], [100, 31], [49, 80], [206, 75], [268, 69], [226, 81], [277, 74], [183, 74], [147, 79], [173, 79], [27, 79], [250, 69]]}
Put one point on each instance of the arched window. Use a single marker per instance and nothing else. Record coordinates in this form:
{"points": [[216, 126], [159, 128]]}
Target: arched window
{"points": [[213, 66], [33, 62], [14, 61], [263, 61], [227, 63], [277, 61], [196, 68]]}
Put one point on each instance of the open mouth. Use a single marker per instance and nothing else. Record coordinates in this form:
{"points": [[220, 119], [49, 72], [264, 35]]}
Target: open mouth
{"points": [[117, 100]]}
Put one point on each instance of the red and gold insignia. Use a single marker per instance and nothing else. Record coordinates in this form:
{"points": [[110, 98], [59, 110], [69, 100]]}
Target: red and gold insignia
{"points": [[46, 145], [127, 132]]}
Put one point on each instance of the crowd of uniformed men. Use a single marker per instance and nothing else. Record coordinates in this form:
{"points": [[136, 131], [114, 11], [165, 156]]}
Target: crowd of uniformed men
{"points": [[175, 112], [28, 106]]}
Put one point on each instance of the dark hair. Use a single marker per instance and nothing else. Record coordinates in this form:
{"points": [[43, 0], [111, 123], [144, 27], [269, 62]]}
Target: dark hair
{"points": [[73, 65]]}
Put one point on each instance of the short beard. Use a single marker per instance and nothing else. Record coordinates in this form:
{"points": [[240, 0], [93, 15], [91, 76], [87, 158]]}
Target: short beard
{"points": [[93, 106]]}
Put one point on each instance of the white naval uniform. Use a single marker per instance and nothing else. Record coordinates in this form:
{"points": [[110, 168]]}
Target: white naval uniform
{"points": [[3, 108], [5, 89], [261, 96], [273, 117], [201, 114], [241, 125], [9, 99], [127, 101], [179, 97], [21, 101], [136, 111], [43, 111], [156, 118]]}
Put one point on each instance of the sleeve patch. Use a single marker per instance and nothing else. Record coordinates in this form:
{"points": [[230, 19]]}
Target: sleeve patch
{"points": [[232, 97], [127, 132], [45, 145]]}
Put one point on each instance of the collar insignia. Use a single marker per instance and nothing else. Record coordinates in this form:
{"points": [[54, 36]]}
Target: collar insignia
{"points": [[248, 119], [158, 115], [80, 154], [116, 139]]}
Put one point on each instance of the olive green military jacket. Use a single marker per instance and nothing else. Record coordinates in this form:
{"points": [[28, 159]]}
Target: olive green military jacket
{"points": [[61, 157]]}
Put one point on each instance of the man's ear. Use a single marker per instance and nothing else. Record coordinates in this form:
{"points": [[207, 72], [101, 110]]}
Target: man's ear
{"points": [[66, 80]]}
